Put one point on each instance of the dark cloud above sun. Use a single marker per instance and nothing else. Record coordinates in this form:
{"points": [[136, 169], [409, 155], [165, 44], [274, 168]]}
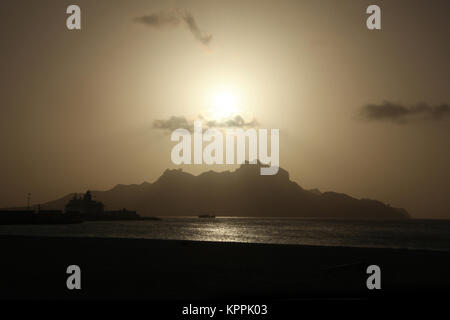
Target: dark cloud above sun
{"points": [[174, 18]]}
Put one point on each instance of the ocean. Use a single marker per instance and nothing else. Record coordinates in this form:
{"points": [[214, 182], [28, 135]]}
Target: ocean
{"points": [[411, 234]]}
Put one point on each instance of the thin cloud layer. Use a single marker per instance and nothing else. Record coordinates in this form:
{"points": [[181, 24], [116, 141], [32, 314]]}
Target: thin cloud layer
{"points": [[236, 122], [173, 123], [181, 122], [173, 19], [401, 114]]}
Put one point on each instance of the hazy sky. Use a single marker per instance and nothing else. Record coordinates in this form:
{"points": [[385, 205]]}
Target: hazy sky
{"points": [[360, 112]]}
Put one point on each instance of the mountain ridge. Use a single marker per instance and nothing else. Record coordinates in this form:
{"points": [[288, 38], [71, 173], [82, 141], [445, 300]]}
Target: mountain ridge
{"points": [[243, 192]]}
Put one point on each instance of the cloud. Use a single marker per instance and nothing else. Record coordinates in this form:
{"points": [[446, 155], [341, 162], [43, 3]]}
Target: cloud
{"points": [[159, 20], [401, 114], [175, 122], [236, 121], [173, 19]]}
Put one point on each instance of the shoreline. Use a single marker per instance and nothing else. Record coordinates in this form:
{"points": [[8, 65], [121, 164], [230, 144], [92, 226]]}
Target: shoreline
{"points": [[209, 242], [127, 268]]}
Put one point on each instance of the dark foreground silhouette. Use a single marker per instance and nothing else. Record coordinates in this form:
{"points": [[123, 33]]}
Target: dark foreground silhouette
{"points": [[35, 267], [243, 192]]}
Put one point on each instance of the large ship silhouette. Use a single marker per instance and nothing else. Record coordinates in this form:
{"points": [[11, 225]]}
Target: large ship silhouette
{"points": [[87, 209], [78, 209]]}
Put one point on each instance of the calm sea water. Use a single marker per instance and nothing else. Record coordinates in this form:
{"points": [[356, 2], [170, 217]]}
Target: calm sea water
{"points": [[413, 234]]}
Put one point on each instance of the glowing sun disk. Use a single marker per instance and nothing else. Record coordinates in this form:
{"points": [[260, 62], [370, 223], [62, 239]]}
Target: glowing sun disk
{"points": [[224, 105]]}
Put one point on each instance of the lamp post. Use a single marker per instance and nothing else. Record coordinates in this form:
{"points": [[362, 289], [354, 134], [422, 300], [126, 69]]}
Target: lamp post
{"points": [[28, 200]]}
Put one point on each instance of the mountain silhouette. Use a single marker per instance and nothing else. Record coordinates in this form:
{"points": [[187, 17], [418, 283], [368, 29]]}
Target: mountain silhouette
{"points": [[243, 192]]}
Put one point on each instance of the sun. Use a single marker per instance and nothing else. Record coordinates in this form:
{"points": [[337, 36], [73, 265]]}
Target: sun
{"points": [[224, 104]]}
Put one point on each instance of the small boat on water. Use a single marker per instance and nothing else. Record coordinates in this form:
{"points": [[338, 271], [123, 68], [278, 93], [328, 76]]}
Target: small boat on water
{"points": [[206, 216]]}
